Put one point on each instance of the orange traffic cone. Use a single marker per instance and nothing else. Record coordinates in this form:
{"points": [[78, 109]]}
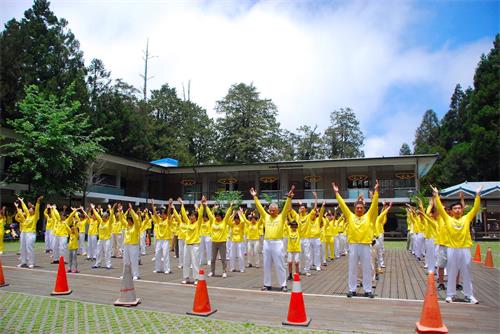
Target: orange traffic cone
{"points": [[297, 310], [477, 256], [61, 287], [127, 292], [430, 319], [201, 305], [488, 260], [2, 279]]}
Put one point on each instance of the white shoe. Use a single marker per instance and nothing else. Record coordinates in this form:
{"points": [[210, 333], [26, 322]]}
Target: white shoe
{"points": [[224, 275], [135, 278], [210, 274], [308, 274], [184, 282], [242, 271], [196, 282], [318, 269], [153, 259], [449, 300], [154, 271], [167, 271], [31, 266], [179, 266], [209, 263], [471, 300]]}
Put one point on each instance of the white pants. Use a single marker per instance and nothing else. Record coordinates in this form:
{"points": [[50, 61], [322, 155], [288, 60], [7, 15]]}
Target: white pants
{"points": [[253, 252], [228, 247], [181, 251], [306, 249], [116, 240], [304, 245], [92, 247], [336, 246], [459, 260], [131, 257], [430, 255], [60, 248], [380, 252], [323, 252], [315, 252], [273, 254], [103, 253], [191, 258], [48, 240], [162, 254], [360, 253], [419, 244], [81, 244], [205, 249], [285, 247], [142, 242], [28, 248], [236, 251], [122, 240], [344, 245]]}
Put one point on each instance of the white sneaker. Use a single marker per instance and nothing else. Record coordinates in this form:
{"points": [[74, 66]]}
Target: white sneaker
{"points": [[135, 278], [449, 300], [31, 266], [167, 272], [308, 274], [471, 300], [154, 258], [210, 274], [184, 282], [196, 282], [224, 275], [318, 269], [209, 263], [154, 271], [179, 266], [242, 271]]}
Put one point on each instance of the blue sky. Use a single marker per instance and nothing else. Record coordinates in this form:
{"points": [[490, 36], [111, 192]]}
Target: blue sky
{"points": [[389, 61]]}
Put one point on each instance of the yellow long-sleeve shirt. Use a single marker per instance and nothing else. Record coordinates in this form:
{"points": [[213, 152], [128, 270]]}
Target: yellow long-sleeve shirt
{"points": [[49, 222], [458, 230], [417, 223], [293, 240], [313, 229], [380, 222], [192, 228], [360, 229], [105, 226], [330, 228], [252, 230], [237, 231], [28, 221], [273, 226], [3, 220], [302, 220], [117, 226], [219, 230], [61, 227], [162, 228], [81, 224], [93, 226], [205, 228], [132, 231], [73, 240]]}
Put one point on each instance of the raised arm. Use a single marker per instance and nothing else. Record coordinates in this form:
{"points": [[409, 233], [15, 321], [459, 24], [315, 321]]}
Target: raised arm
{"points": [[343, 207], [288, 202], [373, 210], [37, 208], [96, 214], [477, 205], [259, 206], [437, 202]]}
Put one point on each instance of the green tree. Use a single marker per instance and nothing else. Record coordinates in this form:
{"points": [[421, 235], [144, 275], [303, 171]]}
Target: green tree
{"points": [[405, 149], [427, 134], [310, 145], [452, 129], [55, 144], [39, 49], [343, 138], [248, 131]]}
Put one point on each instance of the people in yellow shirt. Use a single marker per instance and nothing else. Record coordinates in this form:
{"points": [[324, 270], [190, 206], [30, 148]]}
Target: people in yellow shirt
{"points": [[459, 257], [181, 236], [116, 237], [205, 241], [104, 242], [163, 235], [61, 232], [81, 224], [293, 249], [329, 232], [92, 235], [219, 230], [73, 249], [313, 233], [360, 225], [192, 223], [28, 218], [274, 225], [145, 225], [3, 221], [252, 234], [379, 235], [303, 218], [49, 233], [131, 241], [237, 226]]}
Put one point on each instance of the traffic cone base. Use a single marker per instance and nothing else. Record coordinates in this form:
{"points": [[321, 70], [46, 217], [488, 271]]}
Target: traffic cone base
{"points": [[424, 329], [430, 318], [61, 287], [201, 304], [296, 310], [127, 292]]}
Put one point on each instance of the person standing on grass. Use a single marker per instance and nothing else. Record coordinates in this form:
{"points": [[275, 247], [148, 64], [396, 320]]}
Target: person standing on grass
{"points": [[274, 225], [359, 226], [457, 225], [27, 219]]}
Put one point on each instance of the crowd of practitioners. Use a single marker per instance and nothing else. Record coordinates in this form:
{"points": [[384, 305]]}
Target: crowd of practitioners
{"points": [[304, 239]]}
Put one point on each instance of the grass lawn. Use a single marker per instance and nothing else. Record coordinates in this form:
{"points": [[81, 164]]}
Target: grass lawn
{"points": [[36, 314], [494, 245], [13, 246]]}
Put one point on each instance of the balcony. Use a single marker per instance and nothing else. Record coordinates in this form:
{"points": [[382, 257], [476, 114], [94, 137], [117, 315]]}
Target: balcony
{"points": [[106, 189]]}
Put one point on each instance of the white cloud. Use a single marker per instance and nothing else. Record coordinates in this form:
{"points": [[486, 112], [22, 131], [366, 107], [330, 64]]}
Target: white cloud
{"points": [[309, 62]]}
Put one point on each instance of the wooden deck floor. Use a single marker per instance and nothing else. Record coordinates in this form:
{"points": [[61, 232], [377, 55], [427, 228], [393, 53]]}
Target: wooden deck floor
{"points": [[404, 277]]}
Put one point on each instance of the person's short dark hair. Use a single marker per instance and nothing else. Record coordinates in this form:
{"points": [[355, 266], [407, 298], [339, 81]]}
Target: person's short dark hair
{"points": [[293, 223], [236, 217], [193, 213], [455, 204], [359, 202], [219, 212]]}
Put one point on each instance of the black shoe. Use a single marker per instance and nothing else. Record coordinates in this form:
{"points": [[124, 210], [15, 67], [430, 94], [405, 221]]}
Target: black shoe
{"points": [[284, 288], [351, 294], [369, 295], [265, 288], [459, 287], [249, 265], [441, 287], [290, 277]]}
